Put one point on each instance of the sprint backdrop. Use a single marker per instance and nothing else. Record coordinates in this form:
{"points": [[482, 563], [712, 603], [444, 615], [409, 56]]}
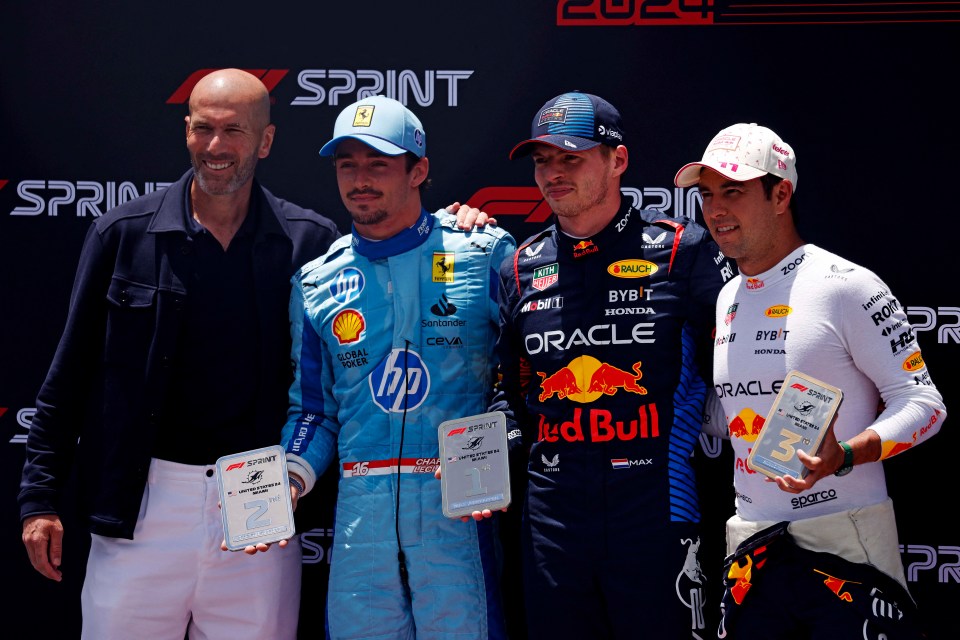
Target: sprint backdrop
{"points": [[92, 100]]}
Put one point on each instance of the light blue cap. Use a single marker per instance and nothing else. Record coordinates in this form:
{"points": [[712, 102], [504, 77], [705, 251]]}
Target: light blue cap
{"points": [[382, 123]]}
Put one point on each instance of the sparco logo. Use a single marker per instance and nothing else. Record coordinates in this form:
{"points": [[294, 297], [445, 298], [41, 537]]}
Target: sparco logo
{"points": [[811, 499]]}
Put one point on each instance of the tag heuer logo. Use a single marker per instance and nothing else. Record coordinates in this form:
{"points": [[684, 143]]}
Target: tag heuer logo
{"points": [[545, 276]]}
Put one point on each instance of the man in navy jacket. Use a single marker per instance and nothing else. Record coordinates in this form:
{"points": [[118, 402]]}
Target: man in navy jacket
{"points": [[175, 352]]}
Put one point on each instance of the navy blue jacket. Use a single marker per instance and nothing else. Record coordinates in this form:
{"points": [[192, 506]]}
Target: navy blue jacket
{"points": [[109, 377]]}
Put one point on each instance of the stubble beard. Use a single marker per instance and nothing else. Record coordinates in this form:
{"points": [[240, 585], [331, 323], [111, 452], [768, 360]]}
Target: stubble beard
{"points": [[372, 217], [242, 175], [575, 209]]}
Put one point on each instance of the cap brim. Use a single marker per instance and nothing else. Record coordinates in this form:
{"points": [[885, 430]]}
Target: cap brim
{"points": [[384, 147], [573, 144], [689, 174]]}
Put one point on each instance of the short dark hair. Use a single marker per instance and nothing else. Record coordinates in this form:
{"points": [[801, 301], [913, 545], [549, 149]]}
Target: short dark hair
{"points": [[412, 159], [769, 181]]}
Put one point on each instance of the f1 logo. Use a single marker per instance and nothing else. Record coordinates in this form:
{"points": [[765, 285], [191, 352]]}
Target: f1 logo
{"points": [[270, 78], [512, 201]]}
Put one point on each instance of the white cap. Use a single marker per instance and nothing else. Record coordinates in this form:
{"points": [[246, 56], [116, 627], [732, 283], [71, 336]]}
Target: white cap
{"points": [[743, 152]]}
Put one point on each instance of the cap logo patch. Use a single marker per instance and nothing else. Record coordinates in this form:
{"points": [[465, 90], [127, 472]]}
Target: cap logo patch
{"points": [[554, 114], [725, 141], [364, 116]]}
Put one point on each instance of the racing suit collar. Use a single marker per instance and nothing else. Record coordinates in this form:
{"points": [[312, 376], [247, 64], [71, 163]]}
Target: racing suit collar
{"points": [[404, 241], [617, 228]]}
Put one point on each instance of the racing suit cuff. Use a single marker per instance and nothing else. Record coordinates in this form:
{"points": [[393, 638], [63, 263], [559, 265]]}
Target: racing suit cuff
{"points": [[299, 466]]}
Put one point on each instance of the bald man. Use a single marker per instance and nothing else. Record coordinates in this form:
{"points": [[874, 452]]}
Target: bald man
{"points": [[176, 352]]}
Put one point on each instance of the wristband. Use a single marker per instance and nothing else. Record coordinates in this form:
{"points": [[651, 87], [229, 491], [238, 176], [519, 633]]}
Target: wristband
{"points": [[297, 485], [847, 465]]}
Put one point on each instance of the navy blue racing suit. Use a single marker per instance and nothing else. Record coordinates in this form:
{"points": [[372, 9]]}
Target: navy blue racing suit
{"points": [[603, 341]]}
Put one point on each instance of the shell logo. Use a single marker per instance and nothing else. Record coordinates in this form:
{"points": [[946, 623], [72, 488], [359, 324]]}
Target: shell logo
{"points": [[348, 325], [914, 362], [632, 268], [778, 311]]}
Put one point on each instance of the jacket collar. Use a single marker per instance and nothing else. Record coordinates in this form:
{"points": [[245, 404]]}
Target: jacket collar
{"points": [[171, 214]]}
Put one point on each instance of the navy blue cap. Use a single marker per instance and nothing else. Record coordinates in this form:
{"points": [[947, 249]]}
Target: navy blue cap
{"points": [[575, 122]]}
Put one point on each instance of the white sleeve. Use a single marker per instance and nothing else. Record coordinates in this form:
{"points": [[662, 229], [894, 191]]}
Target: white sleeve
{"points": [[884, 347]]}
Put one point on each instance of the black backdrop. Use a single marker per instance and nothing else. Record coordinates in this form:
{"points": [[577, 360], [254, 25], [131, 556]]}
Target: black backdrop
{"points": [[92, 100]]}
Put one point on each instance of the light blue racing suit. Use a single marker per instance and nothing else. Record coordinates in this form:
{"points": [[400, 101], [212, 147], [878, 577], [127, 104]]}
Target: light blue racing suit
{"points": [[417, 312]]}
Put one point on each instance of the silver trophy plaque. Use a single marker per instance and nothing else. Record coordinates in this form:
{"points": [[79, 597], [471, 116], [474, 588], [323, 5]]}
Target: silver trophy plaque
{"points": [[473, 464], [797, 421], [255, 497]]}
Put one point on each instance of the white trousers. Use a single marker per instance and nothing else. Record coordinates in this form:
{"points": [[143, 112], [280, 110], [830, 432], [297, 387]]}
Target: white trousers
{"points": [[867, 535], [173, 580]]}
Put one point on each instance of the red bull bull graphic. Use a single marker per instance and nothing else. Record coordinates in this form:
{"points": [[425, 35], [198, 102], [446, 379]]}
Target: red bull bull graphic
{"points": [[746, 425], [742, 574], [609, 379], [585, 379], [836, 585], [562, 383]]}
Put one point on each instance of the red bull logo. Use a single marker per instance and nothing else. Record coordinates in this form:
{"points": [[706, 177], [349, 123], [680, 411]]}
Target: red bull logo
{"points": [[601, 426], [836, 585], [584, 248], [743, 574], [741, 577], [746, 424], [608, 379], [754, 283], [585, 379], [562, 383]]}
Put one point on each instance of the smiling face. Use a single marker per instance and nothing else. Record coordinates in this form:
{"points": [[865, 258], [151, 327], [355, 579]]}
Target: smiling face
{"points": [[380, 192], [583, 188], [228, 130], [755, 230]]}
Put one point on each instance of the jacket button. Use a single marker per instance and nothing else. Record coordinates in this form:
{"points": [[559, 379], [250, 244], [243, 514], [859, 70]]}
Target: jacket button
{"points": [[209, 473]]}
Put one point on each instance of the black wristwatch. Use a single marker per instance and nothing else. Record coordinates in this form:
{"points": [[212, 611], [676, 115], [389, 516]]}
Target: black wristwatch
{"points": [[847, 465]]}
